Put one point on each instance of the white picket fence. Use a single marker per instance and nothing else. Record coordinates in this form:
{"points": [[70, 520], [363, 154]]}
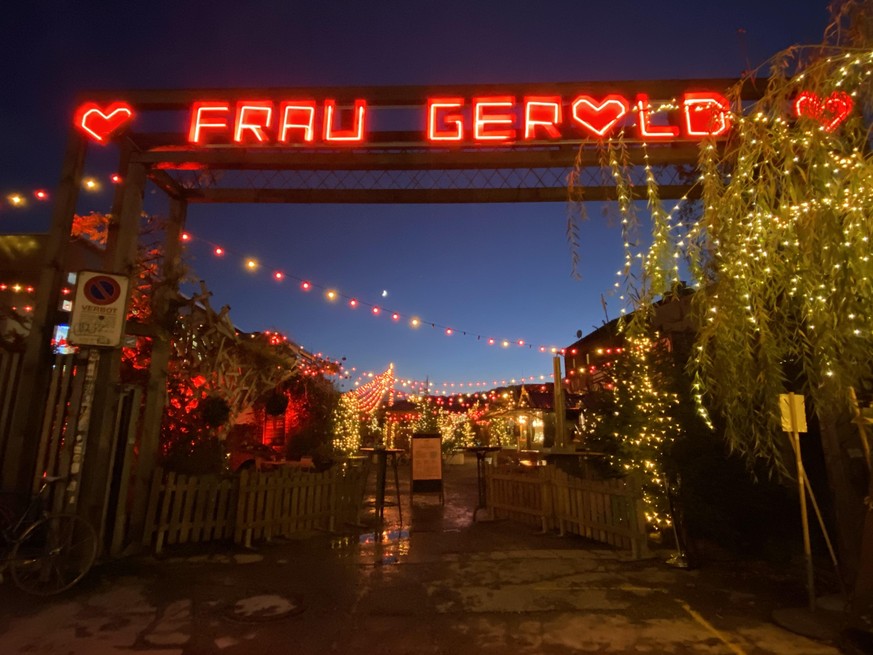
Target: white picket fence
{"points": [[609, 511], [252, 506]]}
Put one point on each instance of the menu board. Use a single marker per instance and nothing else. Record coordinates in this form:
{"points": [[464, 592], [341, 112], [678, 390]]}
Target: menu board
{"points": [[427, 463]]}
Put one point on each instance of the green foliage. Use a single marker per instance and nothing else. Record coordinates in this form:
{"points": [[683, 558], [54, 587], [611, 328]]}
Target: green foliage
{"points": [[781, 253], [346, 424], [778, 245], [428, 417], [725, 503], [456, 430], [202, 455], [315, 400], [500, 431], [634, 420]]}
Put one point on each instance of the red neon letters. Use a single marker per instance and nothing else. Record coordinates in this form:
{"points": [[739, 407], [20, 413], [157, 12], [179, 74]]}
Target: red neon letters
{"points": [[501, 119], [484, 120], [543, 113], [265, 122]]}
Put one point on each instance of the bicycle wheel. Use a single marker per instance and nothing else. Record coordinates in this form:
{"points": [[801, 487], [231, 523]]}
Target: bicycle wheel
{"points": [[53, 554]]}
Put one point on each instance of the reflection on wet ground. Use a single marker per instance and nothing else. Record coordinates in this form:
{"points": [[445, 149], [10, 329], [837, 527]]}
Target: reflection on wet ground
{"points": [[432, 583], [389, 539], [385, 547]]}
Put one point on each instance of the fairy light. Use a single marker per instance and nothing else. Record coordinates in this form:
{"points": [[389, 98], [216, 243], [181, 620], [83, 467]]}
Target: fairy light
{"points": [[332, 295]]}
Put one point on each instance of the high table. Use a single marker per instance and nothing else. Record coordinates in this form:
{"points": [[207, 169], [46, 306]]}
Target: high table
{"points": [[382, 455], [481, 452]]}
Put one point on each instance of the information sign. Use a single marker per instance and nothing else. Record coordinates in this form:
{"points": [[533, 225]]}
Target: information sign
{"points": [[99, 310], [793, 413], [427, 463]]}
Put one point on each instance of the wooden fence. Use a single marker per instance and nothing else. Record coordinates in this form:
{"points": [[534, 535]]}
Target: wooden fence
{"points": [[609, 511], [10, 370], [252, 506]]}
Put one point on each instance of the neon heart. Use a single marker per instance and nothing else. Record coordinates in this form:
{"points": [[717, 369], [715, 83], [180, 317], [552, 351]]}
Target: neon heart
{"points": [[101, 124], [830, 113], [599, 117]]}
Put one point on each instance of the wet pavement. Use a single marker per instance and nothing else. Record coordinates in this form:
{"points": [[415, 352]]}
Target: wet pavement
{"points": [[439, 583]]}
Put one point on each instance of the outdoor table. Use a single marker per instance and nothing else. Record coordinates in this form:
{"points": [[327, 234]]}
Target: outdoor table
{"points": [[481, 452], [382, 455]]}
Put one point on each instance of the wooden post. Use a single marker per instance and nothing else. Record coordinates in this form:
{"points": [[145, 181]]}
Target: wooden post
{"points": [[804, 516], [19, 459], [163, 314], [121, 253], [560, 412]]}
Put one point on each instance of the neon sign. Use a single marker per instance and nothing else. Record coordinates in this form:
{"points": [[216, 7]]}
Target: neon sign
{"points": [[101, 124], [264, 121], [491, 121], [487, 120]]}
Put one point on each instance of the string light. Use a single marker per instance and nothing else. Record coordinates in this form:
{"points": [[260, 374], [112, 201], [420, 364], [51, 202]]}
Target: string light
{"points": [[18, 199], [332, 295]]}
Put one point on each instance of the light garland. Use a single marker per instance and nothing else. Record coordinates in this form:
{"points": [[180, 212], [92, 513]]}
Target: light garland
{"points": [[434, 388], [21, 199], [370, 395], [353, 302]]}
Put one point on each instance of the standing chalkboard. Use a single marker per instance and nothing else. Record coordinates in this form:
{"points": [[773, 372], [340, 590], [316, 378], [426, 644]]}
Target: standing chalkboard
{"points": [[427, 464]]}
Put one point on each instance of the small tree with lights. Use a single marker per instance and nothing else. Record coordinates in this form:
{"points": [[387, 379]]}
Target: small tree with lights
{"points": [[347, 425], [634, 421]]}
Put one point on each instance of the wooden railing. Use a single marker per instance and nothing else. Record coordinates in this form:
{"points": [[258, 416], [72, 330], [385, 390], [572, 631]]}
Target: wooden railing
{"points": [[609, 511], [252, 506]]}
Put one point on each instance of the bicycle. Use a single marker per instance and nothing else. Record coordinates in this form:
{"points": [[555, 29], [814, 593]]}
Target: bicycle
{"points": [[48, 552]]}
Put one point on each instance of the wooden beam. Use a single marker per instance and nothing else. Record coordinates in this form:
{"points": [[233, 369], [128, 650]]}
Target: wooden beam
{"points": [[416, 95], [167, 183], [548, 156], [417, 196]]}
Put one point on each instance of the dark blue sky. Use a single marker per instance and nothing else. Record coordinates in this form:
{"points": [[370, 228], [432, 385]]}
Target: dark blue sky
{"points": [[494, 270]]}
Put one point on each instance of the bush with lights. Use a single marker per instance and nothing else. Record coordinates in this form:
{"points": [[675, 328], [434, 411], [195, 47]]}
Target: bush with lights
{"points": [[633, 420]]}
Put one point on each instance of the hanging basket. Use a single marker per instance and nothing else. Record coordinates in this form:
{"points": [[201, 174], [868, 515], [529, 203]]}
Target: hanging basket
{"points": [[214, 411], [276, 404]]}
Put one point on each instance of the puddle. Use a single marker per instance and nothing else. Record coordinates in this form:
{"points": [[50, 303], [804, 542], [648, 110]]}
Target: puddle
{"points": [[264, 608]]}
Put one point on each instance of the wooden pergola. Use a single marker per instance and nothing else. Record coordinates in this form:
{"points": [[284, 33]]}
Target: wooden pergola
{"points": [[395, 165]]}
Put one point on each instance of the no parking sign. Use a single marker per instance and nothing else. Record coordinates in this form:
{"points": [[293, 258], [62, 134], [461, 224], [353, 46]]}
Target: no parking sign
{"points": [[99, 309]]}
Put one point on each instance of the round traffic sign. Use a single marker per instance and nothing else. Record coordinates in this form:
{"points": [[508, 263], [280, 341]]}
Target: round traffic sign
{"points": [[102, 290]]}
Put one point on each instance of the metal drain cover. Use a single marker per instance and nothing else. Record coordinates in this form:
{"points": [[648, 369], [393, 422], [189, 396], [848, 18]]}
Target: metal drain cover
{"points": [[264, 608]]}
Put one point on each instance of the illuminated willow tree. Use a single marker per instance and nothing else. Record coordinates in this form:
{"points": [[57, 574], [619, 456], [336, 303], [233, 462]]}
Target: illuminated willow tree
{"points": [[779, 249], [637, 420]]}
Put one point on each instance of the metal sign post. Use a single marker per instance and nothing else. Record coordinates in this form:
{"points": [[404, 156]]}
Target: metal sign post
{"points": [[793, 413]]}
